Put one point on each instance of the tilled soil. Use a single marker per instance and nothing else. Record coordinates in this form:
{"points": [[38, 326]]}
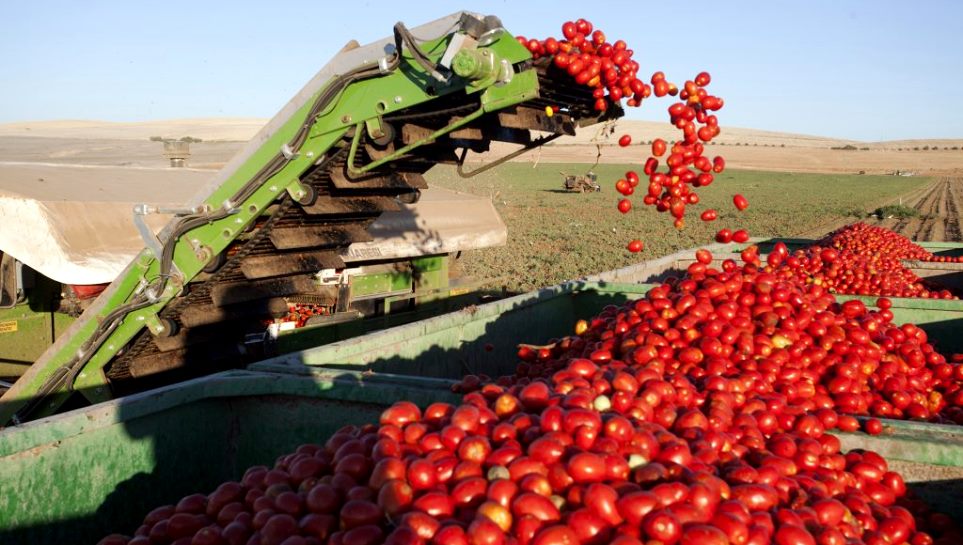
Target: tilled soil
{"points": [[939, 208]]}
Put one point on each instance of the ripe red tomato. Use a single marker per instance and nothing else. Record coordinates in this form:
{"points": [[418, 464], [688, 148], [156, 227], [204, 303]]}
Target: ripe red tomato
{"points": [[709, 215], [624, 206], [635, 246], [625, 140], [740, 202], [873, 426], [658, 147]]}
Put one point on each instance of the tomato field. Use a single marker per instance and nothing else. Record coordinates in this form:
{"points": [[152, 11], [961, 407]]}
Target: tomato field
{"points": [[554, 235]]}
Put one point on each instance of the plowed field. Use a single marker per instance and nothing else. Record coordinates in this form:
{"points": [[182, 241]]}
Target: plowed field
{"points": [[939, 205]]}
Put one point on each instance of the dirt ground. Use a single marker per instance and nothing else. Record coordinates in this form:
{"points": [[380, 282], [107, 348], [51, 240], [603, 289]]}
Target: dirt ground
{"points": [[939, 205], [99, 142]]}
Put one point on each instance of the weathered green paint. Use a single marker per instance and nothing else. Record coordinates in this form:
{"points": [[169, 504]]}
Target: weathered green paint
{"points": [[27, 329], [407, 86], [75, 477], [364, 286]]}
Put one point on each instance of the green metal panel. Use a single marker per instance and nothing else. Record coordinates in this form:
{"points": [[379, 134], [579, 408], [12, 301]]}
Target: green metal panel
{"points": [[75, 477], [27, 329], [364, 286], [431, 278], [24, 335], [452, 345]]}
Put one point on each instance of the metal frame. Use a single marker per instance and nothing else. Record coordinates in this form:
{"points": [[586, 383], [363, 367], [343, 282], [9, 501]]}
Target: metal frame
{"points": [[407, 86]]}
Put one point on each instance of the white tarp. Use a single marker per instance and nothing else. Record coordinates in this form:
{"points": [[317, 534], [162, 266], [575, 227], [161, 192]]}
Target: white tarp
{"points": [[74, 223]]}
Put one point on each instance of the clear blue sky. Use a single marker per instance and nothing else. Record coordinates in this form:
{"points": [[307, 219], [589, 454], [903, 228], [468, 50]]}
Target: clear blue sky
{"points": [[868, 70]]}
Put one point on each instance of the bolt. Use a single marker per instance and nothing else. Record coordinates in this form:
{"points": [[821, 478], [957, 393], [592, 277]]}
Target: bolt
{"points": [[273, 188], [309, 154], [398, 99], [346, 119], [140, 318]]}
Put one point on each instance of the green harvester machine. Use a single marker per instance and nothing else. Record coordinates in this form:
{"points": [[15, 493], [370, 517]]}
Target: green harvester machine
{"points": [[354, 143]]}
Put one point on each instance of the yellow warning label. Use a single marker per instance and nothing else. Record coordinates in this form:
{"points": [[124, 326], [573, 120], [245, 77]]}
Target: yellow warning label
{"points": [[454, 292], [8, 327]]}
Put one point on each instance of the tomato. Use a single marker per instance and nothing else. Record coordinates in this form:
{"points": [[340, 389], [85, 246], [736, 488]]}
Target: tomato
{"points": [[624, 206], [789, 534], [536, 506], [662, 526], [658, 147], [586, 467], [483, 531], [740, 202], [873, 426], [724, 236], [625, 140], [363, 535], [359, 513], [709, 215], [703, 534], [556, 535], [635, 246], [740, 236], [401, 413]]}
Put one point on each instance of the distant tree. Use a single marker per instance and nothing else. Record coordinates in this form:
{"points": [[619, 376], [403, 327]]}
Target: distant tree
{"points": [[156, 138], [782, 145], [926, 148], [916, 148], [864, 149], [954, 148]]}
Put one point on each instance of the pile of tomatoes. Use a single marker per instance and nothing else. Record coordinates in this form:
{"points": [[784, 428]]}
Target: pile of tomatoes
{"points": [[697, 415], [869, 239], [860, 259], [587, 57], [608, 69]]}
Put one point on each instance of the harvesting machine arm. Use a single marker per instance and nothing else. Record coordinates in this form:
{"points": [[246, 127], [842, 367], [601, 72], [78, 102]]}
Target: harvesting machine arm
{"points": [[352, 143]]}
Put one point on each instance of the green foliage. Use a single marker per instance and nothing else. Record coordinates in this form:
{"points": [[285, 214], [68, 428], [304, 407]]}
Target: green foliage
{"points": [[156, 138], [896, 211]]}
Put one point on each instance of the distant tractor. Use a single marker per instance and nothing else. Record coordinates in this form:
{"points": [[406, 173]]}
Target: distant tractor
{"points": [[581, 184]]}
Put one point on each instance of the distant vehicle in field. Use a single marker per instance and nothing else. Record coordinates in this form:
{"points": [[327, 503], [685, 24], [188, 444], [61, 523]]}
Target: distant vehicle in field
{"points": [[581, 184]]}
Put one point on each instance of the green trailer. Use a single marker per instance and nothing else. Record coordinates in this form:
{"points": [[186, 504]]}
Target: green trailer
{"points": [[155, 447], [76, 476]]}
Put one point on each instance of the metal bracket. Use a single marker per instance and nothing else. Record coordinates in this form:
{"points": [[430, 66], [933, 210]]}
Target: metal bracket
{"points": [[146, 233], [300, 192], [142, 210], [492, 164], [458, 42], [287, 152]]}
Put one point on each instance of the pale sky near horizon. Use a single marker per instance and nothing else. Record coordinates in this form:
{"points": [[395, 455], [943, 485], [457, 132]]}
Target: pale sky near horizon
{"points": [[864, 70]]}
